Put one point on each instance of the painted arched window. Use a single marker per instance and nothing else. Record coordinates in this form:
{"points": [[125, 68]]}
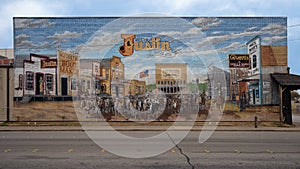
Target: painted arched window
{"points": [[254, 61], [20, 81]]}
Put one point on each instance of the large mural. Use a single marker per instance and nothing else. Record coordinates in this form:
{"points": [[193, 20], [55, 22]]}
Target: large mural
{"points": [[141, 68]]}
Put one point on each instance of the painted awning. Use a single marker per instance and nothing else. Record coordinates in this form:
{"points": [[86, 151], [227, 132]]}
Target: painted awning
{"points": [[287, 80]]}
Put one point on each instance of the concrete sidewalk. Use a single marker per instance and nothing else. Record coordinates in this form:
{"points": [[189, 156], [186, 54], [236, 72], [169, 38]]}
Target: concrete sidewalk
{"points": [[149, 128]]}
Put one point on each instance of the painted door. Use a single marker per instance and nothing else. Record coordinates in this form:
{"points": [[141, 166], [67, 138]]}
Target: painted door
{"points": [[117, 91], [39, 84], [287, 107], [64, 86]]}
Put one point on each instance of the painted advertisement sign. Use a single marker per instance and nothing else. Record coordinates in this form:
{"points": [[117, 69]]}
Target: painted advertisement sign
{"points": [[239, 61], [171, 73], [50, 63], [68, 63]]}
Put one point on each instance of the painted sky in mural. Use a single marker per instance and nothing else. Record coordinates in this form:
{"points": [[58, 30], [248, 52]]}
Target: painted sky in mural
{"points": [[196, 41]]}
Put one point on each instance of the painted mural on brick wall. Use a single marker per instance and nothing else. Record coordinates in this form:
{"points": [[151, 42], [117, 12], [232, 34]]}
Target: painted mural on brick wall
{"points": [[144, 68]]}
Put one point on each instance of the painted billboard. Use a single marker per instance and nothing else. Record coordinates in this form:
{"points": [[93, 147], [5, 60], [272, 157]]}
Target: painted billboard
{"points": [[239, 61], [62, 59]]}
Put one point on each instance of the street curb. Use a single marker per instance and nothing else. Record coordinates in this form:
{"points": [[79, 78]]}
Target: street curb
{"points": [[138, 128]]}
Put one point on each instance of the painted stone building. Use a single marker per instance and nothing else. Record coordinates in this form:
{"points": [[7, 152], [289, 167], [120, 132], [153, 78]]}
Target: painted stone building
{"points": [[137, 87], [171, 78]]}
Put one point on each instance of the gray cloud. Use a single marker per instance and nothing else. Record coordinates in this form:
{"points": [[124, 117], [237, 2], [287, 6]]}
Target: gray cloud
{"points": [[32, 23], [271, 29], [30, 45], [22, 41], [20, 38]]}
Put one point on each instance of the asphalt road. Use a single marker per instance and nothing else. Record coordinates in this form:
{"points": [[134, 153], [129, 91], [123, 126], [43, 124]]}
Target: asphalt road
{"points": [[73, 149]]}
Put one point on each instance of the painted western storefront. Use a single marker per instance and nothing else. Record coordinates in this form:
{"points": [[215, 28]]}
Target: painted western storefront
{"points": [[68, 72], [254, 72], [105, 76], [285, 83], [39, 76], [255, 82], [117, 76], [89, 77], [43, 75], [112, 76]]}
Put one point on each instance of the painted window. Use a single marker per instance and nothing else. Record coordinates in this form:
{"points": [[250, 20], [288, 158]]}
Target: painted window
{"points": [[254, 61], [73, 84], [106, 74], [29, 80], [88, 84], [21, 81], [97, 84], [49, 82]]}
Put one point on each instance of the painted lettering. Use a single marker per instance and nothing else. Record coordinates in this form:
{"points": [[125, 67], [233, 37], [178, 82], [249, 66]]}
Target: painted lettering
{"points": [[130, 45]]}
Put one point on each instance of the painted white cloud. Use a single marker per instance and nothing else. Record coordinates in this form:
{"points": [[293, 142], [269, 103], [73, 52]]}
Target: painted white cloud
{"points": [[206, 23], [251, 28], [232, 46], [216, 32], [102, 41], [58, 38], [272, 29], [273, 39]]}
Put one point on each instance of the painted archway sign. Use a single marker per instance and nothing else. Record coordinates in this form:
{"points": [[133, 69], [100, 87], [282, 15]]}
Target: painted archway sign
{"points": [[140, 69]]}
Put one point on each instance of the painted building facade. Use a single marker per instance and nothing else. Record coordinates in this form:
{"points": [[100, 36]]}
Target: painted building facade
{"points": [[256, 81], [68, 72], [39, 76], [136, 87], [171, 78], [218, 82], [44, 75], [117, 77], [89, 77]]}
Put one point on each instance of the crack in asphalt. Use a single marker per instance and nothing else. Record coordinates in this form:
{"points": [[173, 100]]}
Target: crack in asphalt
{"points": [[188, 160]]}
